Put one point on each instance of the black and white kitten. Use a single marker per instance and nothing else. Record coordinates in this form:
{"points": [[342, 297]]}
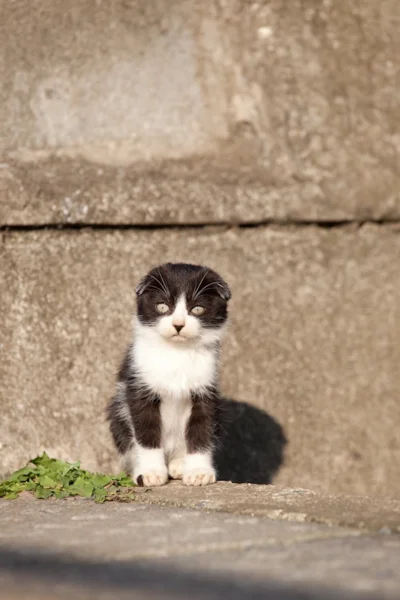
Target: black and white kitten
{"points": [[164, 416]]}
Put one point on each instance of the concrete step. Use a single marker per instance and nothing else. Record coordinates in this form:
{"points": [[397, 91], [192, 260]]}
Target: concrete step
{"points": [[300, 505], [314, 342], [75, 548], [227, 189]]}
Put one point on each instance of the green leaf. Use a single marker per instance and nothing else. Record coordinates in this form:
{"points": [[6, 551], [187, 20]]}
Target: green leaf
{"points": [[82, 487], [28, 486], [16, 486], [68, 480], [125, 480], [67, 467], [60, 494], [22, 474], [100, 494], [99, 481], [42, 493], [41, 470], [11, 495], [47, 482]]}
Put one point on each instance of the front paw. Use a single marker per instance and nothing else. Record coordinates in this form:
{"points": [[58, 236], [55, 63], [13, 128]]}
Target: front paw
{"points": [[199, 476], [152, 478], [175, 468]]}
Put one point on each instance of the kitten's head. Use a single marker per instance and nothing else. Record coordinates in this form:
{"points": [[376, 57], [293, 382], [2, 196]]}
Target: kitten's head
{"points": [[183, 303]]}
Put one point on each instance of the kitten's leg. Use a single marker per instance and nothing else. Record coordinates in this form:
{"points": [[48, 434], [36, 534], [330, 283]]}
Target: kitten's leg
{"points": [[149, 467], [198, 468], [121, 427], [148, 458], [176, 463]]}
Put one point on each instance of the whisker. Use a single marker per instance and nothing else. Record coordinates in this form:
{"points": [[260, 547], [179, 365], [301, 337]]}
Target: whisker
{"points": [[162, 288], [209, 285], [196, 291], [156, 287], [200, 282], [163, 282]]}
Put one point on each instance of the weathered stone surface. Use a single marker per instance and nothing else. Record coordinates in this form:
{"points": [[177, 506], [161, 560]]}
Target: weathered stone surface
{"points": [[197, 191], [304, 97], [316, 86], [111, 551], [126, 73], [79, 526], [277, 502], [314, 341], [190, 192]]}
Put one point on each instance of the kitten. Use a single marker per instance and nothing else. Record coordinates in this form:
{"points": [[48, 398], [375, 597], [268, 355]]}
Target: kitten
{"points": [[165, 414]]}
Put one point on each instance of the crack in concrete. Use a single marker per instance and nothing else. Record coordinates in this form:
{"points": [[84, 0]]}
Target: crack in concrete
{"points": [[221, 225]]}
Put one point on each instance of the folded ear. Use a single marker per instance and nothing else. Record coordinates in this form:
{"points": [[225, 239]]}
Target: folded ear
{"points": [[142, 285], [223, 289]]}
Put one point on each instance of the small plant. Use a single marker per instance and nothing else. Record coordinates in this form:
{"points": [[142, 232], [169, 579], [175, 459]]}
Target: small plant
{"points": [[47, 477]]}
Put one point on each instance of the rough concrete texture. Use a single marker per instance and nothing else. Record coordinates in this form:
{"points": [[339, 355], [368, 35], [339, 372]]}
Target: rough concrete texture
{"points": [[199, 191], [109, 72], [306, 93], [314, 341], [277, 502], [79, 549]]}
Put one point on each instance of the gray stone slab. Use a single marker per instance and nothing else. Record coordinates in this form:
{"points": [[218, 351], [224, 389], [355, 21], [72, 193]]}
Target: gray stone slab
{"points": [[108, 73], [359, 564], [68, 191], [277, 502], [75, 547], [314, 341], [309, 98], [62, 191], [136, 531], [43, 577]]}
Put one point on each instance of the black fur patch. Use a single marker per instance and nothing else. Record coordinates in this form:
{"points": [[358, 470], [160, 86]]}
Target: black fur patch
{"points": [[144, 411], [202, 427]]}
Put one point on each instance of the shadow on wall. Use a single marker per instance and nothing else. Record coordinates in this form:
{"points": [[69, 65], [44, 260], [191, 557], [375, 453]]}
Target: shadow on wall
{"points": [[252, 445]]}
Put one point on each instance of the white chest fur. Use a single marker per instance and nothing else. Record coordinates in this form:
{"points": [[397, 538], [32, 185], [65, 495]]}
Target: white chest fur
{"points": [[172, 370], [175, 413]]}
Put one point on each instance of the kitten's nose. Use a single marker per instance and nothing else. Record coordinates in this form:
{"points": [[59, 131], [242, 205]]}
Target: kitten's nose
{"points": [[178, 327]]}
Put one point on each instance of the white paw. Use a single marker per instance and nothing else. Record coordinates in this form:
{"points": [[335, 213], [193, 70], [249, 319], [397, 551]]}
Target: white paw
{"points": [[152, 478], [200, 476], [175, 468]]}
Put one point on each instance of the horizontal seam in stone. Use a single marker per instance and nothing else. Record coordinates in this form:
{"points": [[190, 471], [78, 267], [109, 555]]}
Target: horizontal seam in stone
{"points": [[290, 223]]}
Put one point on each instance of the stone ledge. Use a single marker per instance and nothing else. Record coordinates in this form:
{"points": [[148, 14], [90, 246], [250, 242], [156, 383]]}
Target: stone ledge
{"points": [[76, 548], [280, 85], [69, 191], [278, 502]]}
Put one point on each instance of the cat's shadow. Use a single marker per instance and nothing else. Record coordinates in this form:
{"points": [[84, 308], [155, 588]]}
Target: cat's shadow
{"points": [[252, 443]]}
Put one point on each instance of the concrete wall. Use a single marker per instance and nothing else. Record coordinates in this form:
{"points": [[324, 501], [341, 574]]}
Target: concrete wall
{"points": [[214, 113], [314, 341], [305, 94]]}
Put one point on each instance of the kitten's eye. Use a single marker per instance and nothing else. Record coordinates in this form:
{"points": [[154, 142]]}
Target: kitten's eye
{"points": [[162, 308], [198, 310]]}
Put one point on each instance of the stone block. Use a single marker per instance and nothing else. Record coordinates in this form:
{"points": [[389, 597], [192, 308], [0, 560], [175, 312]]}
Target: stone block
{"points": [[314, 341]]}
